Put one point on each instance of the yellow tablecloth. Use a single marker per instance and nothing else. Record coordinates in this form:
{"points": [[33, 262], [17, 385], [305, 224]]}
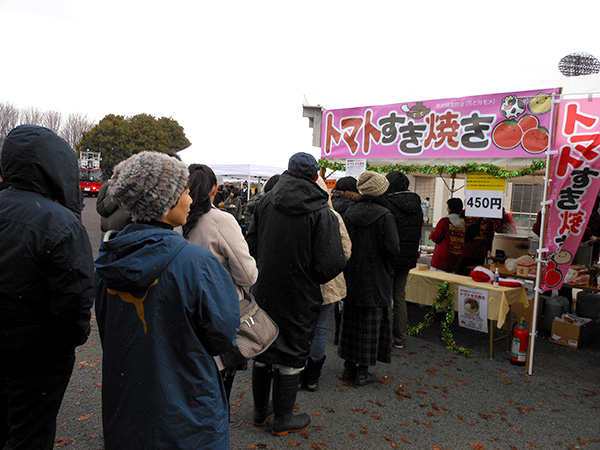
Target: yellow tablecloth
{"points": [[422, 287]]}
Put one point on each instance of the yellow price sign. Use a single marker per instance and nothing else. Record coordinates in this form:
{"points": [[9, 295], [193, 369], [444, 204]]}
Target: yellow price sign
{"points": [[480, 181]]}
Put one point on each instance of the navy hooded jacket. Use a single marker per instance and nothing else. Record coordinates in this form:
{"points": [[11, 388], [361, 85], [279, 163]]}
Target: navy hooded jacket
{"points": [[164, 309], [46, 262]]}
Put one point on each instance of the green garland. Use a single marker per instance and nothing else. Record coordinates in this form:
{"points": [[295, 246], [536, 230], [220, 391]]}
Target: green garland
{"points": [[444, 297], [452, 169]]}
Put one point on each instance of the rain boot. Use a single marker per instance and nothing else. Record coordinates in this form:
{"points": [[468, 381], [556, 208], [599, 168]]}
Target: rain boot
{"points": [[285, 388], [349, 373], [313, 372], [261, 391], [363, 376]]}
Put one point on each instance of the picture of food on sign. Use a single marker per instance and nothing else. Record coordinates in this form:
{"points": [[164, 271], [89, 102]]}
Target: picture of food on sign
{"points": [[507, 134], [510, 133], [471, 306], [512, 106], [540, 104], [417, 111], [535, 140]]}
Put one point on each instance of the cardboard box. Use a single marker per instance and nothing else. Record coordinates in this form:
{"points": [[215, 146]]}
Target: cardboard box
{"points": [[571, 335]]}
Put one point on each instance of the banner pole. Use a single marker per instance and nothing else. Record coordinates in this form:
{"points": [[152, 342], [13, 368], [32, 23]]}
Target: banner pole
{"points": [[538, 274]]}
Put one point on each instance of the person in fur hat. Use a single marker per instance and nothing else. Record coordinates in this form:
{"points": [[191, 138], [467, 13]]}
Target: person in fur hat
{"points": [[164, 308], [366, 319]]}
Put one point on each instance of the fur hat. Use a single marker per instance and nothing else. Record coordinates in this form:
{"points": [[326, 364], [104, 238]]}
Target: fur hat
{"points": [[148, 184], [304, 164], [372, 183]]}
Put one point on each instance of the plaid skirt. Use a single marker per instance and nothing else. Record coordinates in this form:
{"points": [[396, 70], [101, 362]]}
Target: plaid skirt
{"points": [[366, 335]]}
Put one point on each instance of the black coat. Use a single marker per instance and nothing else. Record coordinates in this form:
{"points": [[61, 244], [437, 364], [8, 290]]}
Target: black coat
{"points": [[408, 214], [295, 239], [342, 200], [46, 262], [375, 242]]}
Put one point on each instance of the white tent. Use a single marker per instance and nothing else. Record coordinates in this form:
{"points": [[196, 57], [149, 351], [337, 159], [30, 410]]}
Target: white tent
{"points": [[245, 172]]}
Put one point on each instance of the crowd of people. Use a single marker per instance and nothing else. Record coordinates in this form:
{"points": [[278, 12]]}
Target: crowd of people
{"points": [[173, 268]]}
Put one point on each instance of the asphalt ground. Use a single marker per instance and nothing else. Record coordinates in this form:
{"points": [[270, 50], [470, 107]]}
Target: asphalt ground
{"points": [[426, 398]]}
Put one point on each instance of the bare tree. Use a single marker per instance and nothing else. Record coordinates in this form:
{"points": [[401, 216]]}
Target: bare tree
{"points": [[9, 118], [74, 127], [52, 120], [32, 116]]}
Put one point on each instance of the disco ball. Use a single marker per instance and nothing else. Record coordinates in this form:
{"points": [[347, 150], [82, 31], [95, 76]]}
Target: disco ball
{"points": [[577, 64]]}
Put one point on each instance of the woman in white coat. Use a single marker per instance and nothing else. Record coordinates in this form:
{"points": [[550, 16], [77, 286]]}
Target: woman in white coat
{"points": [[220, 233]]}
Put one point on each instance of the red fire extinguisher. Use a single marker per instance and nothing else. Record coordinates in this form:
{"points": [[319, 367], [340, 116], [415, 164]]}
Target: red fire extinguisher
{"points": [[520, 339]]}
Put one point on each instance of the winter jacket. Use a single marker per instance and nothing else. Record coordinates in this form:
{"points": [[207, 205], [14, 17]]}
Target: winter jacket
{"points": [[449, 238], [296, 241], [233, 206], [112, 217], [46, 262], [164, 308], [218, 232], [375, 243], [342, 200], [408, 215]]}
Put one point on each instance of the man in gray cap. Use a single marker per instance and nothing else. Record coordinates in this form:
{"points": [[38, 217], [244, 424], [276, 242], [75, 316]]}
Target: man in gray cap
{"points": [[296, 242]]}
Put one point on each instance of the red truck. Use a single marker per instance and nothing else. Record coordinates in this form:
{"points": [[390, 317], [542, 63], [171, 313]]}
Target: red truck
{"points": [[90, 173]]}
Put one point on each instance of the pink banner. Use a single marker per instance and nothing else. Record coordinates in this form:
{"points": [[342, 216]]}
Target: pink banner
{"points": [[574, 186], [510, 125]]}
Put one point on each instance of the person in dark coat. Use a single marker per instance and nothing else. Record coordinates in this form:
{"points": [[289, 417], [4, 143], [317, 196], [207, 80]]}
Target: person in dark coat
{"points": [[255, 200], [46, 283], [366, 321], [164, 308], [408, 215], [295, 239], [345, 194]]}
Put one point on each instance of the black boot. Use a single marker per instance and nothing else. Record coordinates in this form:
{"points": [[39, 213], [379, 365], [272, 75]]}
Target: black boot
{"points": [[313, 372], [349, 373], [363, 376], [261, 390], [285, 388]]}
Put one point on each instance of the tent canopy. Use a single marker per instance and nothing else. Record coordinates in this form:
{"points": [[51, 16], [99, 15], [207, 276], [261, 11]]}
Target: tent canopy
{"points": [[245, 172]]}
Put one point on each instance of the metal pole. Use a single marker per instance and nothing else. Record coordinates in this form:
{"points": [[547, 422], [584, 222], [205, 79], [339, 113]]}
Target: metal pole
{"points": [[541, 249]]}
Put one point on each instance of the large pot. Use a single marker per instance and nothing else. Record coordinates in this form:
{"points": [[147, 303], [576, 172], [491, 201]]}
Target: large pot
{"points": [[513, 245]]}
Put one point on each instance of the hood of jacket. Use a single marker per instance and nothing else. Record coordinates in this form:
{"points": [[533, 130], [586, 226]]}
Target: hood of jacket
{"points": [[295, 195], [406, 202], [137, 256], [456, 220], [366, 211], [36, 159]]}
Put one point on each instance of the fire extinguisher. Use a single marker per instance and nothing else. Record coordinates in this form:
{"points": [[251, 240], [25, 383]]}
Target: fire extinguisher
{"points": [[520, 339]]}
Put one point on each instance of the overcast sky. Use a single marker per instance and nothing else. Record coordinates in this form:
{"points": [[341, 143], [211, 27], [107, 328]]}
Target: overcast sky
{"points": [[235, 73]]}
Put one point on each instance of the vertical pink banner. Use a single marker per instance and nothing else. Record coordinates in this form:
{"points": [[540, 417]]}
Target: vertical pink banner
{"points": [[574, 186]]}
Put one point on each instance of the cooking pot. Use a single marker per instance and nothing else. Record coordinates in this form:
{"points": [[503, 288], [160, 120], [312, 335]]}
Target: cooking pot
{"points": [[513, 245]]}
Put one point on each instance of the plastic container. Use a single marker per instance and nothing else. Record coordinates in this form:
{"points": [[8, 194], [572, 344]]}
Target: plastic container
{"points": [[554, 307]]}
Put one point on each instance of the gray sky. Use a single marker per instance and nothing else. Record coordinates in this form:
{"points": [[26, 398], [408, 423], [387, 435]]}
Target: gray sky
{"points": [[235, 74]]}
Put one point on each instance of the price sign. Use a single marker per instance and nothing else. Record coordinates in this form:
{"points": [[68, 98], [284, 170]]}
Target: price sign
{"points": [[484, 196], [354, 167], [484, 204]]}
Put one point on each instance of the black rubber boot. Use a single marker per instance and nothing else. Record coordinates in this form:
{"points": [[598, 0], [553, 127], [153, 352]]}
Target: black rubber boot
{"points": [[349, 373], [261, 390], [285, 388], [363, 376], [313, 372]]}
